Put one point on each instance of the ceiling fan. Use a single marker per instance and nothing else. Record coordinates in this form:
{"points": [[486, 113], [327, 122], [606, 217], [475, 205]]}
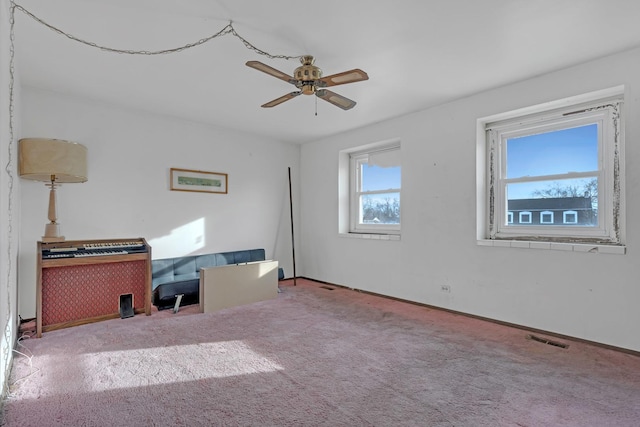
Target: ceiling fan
{"points": [[308, 79]]}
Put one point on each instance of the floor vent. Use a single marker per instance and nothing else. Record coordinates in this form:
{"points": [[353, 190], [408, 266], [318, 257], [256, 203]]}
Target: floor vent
{"points": [[327, 287], [546, 341]]}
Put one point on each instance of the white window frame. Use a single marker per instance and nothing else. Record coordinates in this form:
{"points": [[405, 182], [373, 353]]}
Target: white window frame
{"points": [[604, 107], [522, 214], [564, 217], [542, 214], [355, 160], [509, 217]]}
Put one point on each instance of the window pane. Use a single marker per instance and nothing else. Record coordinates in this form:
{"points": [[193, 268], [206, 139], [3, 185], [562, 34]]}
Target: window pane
{"points": [[570, 217], [525, 217], [578, 187], [567, 201], [380, 208], [381, 171], [546, 217], [380, 178], [557, 152]]}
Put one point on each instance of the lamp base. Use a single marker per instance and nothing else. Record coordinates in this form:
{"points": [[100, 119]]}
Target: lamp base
{"points": [[52, 239], [51, 233]]}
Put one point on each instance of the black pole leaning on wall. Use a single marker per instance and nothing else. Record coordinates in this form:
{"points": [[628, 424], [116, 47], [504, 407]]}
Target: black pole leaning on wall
{"points": [[293, 242]]}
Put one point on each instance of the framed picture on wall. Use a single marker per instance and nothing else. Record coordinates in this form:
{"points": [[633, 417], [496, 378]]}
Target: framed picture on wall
{"points": [[200, 181]]}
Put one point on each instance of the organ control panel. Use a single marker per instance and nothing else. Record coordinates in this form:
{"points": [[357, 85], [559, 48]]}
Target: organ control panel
{"points": [[81, 281], [87, 249]]}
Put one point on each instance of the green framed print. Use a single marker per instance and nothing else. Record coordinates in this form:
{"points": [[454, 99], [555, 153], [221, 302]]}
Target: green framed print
{"points": [[199, 181]]}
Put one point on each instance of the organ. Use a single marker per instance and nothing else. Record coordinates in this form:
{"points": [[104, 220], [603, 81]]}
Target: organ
{"points": [[81, 281]]}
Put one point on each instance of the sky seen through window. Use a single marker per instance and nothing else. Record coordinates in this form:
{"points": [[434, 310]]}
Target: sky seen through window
{"points": [[557, 152]]}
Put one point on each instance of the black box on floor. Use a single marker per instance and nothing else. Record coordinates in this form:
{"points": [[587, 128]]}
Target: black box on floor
{"points": [[126, 305]]}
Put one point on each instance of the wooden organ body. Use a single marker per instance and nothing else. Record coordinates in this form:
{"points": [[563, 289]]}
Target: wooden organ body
{"points": [[81, 281]]}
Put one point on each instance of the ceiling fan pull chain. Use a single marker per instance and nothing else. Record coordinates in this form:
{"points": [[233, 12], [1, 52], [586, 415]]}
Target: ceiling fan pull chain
{"points": [[316, 99]]}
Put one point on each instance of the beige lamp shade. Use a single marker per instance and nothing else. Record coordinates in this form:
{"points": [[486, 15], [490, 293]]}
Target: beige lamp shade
{"points": [[52, 161], [43, 159]]}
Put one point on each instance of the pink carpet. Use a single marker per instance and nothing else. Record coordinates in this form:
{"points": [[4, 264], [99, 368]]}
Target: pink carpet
{"points": [[316, 357]]}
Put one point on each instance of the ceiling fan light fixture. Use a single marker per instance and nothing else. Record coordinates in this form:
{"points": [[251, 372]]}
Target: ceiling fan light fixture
{"points": [[308, 89]]}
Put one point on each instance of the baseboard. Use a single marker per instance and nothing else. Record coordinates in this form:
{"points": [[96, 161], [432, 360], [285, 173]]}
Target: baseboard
{"points": [[486, 319]]}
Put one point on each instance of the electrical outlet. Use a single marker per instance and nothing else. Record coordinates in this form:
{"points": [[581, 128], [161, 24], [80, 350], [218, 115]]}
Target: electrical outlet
{"points": [[445, 288]]}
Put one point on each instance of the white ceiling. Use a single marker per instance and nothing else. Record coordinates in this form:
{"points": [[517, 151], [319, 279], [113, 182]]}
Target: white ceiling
{"points": [[418, 53]]}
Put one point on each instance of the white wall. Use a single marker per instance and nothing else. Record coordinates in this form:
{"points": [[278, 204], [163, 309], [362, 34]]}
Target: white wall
{"points": [[127, 194], [588, 296], [9, 205]]}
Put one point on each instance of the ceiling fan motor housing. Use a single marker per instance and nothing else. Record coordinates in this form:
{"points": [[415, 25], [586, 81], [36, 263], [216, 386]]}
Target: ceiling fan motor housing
{"points": [[307, 74]]}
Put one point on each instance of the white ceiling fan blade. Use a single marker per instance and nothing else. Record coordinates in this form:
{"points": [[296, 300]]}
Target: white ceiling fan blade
{"points": [[351, 76], [280, 100], [335, 99], [271, 71]]}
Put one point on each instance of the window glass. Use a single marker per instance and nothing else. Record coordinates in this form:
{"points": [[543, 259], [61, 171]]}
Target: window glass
{"points": [[380, 208], [546, 217], [379, 178], [556, 152], [570, 217], [557, 196], [375, 194], [525, 217]]}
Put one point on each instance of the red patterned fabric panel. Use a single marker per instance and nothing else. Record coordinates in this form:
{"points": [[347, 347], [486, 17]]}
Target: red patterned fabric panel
{"points": [[84, 291]]}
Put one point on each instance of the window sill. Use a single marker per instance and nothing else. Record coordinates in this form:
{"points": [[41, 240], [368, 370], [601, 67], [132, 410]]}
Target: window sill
{"points": [[568, 247], [368, 236]]}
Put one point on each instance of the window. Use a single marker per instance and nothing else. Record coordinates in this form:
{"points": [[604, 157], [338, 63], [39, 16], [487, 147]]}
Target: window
{"points": [[375, 190], [561, 158], [570, 217], [525, 218], [546, 217]]}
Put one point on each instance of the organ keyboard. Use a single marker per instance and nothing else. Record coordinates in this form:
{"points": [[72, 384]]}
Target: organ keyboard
{"points": [[80, 281], [94, 249]]}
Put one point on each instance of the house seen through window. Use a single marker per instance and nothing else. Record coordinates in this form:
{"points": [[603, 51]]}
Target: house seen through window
{"points": [[554, 172]]}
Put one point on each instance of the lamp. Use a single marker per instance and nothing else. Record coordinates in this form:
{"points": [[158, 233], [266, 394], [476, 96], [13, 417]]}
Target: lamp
{"points": [[52, 161]]}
